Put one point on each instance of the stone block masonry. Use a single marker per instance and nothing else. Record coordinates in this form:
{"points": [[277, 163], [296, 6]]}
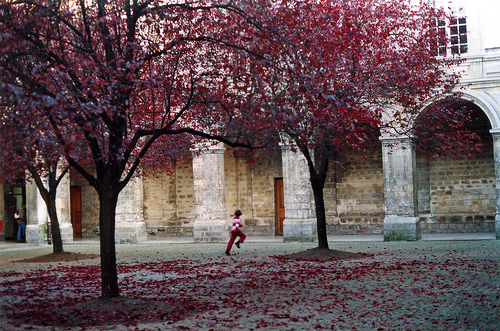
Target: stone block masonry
{"points": [[381, 191], [462, 194], [169, 202], [356, 193]]}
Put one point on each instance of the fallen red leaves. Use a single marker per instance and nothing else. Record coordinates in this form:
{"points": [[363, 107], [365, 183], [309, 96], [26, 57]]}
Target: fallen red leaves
{"points": [[407, 290]]}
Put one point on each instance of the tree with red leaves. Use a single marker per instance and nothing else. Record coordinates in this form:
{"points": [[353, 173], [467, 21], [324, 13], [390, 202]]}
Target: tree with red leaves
{"points": [[340, 70], [119, 75], [28, 144]]}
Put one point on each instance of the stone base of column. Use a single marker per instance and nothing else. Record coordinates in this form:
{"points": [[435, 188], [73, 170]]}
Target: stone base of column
{"points": [[302, 230], [39, 234], [401, 228], [130, 233], [66, 232], [211, 231], [36, 234]]}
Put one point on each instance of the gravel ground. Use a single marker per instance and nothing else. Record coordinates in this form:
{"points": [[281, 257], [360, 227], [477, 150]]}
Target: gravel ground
{"points": [[426, 285]]}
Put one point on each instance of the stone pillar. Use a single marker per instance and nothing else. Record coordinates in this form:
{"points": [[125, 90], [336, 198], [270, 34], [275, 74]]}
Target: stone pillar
{"points": [[401, 221], [130, 227], [210, 224], [496, 157], [37, 226], [63, 206], [36, 215], [300, 217]]}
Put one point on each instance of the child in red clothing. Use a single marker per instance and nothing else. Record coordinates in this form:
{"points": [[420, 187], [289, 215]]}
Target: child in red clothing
{"points": [[236, 232]]}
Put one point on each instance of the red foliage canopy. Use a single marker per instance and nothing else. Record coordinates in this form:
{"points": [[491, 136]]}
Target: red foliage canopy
{"points": [[336, 68]]}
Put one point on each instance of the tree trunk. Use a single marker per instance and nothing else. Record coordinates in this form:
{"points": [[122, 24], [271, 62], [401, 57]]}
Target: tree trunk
{"points": [[317, 179], [107, 213], [320, 215], [49, 197], [57, 245]]}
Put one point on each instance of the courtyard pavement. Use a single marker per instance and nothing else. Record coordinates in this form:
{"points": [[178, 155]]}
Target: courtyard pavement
{"points": [[430, 251], [13, 245]]}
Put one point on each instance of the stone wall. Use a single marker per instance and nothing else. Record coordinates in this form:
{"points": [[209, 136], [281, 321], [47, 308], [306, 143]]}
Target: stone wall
{"points": [[169, 199], [250, 188], [359, 194], [263, 173], [459, 195], [355, 204], [462, 195], [169, 202]]}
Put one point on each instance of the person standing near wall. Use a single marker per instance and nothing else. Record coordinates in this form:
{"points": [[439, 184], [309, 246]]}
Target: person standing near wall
{"points": [[21, 229], [236, 232]]}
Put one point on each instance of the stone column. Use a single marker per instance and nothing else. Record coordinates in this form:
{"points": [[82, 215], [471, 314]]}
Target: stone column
{"points": [[401, 221], [496, 157], [210, 224], [130, 227], [63, 206], [37, 226], [36, 215], [300, 217]]}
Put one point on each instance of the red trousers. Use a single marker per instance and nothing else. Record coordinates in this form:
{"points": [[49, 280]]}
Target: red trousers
{"points": [[235, 234]]}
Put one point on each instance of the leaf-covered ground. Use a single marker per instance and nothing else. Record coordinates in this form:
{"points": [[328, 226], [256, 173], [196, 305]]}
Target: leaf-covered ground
{"points": [[390, 286]]}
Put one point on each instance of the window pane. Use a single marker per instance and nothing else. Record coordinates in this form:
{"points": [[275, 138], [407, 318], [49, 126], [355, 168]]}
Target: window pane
{"points": [[442, 37], [452, 31]]}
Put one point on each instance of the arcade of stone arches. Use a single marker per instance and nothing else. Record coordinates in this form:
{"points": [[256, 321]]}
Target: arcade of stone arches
{"points": [[393, 191]]}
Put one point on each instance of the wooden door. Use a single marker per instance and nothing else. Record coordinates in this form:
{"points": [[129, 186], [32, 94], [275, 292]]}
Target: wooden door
{"points": [[279, 205], [76, 210]]}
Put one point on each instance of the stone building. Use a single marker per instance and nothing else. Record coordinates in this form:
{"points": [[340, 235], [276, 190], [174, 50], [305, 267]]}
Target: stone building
{"points": [[394, 191]]}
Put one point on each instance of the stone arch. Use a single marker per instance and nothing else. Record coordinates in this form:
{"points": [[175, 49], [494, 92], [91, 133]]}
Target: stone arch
{"points": [[483, 100], [459, 195], [488, 105]]}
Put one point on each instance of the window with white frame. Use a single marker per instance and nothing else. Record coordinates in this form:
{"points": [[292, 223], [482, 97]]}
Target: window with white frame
{"points": [[454, 30]]}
